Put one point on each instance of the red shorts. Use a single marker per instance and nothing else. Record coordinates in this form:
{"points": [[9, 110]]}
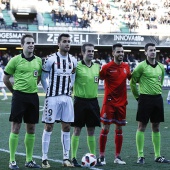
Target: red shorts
{"points": [[113, 114]]}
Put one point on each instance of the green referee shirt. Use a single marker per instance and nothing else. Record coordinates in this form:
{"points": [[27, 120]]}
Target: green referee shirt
{"points": [[86, 80], [25, 73], [150, 79]]}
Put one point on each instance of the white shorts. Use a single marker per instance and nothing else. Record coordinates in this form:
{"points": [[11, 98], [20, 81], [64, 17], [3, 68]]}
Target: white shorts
{"points": [[58, 108]]}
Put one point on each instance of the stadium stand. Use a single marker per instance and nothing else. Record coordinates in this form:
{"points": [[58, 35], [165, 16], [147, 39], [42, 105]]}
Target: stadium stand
{"points": [[125, 16]]}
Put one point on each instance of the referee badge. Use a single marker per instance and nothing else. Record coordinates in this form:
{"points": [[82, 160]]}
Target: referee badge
{"points": [[35, 73], [159, 78], [96, 79]]}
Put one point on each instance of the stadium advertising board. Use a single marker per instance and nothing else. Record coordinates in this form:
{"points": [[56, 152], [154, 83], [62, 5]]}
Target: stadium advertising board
{"points": [[76, 38], [12, 37], [164, 40], [128, 39], [99, 39]]}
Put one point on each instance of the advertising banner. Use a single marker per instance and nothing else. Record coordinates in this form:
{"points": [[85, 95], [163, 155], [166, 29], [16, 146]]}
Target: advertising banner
{"points": [[164, 41], [12, 37], [76, 38], [127, 39]]}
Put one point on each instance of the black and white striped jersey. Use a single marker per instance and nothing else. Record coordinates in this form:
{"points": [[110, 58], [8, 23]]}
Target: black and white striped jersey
{"points": [[60, 69]]}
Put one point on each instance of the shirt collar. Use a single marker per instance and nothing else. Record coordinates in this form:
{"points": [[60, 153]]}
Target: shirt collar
{"points": [[152, 65], [29, 59], [85, 63]]}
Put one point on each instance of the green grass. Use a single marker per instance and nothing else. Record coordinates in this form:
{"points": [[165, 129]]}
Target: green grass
{"points": [[128, 153]]}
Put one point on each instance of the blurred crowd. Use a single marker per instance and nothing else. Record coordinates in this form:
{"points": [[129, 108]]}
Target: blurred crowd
{"points": [[136, 14], [106, 14], [132, 58]]}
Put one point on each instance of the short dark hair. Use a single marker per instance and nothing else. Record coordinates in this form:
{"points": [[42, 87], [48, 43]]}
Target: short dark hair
{"points": [[25, 36], [116, 45], [83, 47], [149, 44], [62, 35]]}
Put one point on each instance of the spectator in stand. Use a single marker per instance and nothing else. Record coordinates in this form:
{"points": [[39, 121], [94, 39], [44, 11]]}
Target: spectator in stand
{"points": [[56, 16], [62, 16], [15, 25], [84, 23], [8, 5], [68, 17], [2, 20], [74, 18]]}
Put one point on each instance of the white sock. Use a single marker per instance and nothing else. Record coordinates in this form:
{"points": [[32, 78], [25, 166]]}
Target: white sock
{"points": [[4, 92], [65, 140], [45, 144]]}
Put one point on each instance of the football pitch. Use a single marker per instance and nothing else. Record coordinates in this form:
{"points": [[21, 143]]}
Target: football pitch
{"points": [[128, 153]]}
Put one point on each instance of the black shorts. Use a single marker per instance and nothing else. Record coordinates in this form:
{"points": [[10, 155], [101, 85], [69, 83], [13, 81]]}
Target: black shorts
{"points": [[150, 107], [24, 106], [86, 112]]}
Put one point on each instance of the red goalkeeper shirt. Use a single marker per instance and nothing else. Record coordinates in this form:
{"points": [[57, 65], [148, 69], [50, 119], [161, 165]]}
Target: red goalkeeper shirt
{"points": [[115, 77]]}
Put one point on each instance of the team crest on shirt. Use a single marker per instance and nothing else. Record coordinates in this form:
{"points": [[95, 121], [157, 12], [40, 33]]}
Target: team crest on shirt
{"points": [[125, 71], [35, 73]]}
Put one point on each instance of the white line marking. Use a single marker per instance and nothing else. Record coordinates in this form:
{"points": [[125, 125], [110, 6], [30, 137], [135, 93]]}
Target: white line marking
{"points": [[39, 157], [4, 113]]}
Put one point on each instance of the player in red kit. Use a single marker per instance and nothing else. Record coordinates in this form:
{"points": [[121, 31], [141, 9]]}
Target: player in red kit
{"points": [[114, 74]]}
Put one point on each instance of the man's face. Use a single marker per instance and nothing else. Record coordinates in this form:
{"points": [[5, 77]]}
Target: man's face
{"points": [[118, 54], [28, 46], [151, 52], [88, 55], [64, 44]]}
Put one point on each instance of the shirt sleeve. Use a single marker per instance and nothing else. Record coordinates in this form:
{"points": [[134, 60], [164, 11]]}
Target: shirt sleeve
{"points": [[44, 80], [47, 64], [74, 62], [11, 66], [102, 73], [73, 75]]}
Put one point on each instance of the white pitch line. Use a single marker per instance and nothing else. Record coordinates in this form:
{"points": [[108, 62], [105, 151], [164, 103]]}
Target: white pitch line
{"points": [[4, 113], [39, 157]]}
